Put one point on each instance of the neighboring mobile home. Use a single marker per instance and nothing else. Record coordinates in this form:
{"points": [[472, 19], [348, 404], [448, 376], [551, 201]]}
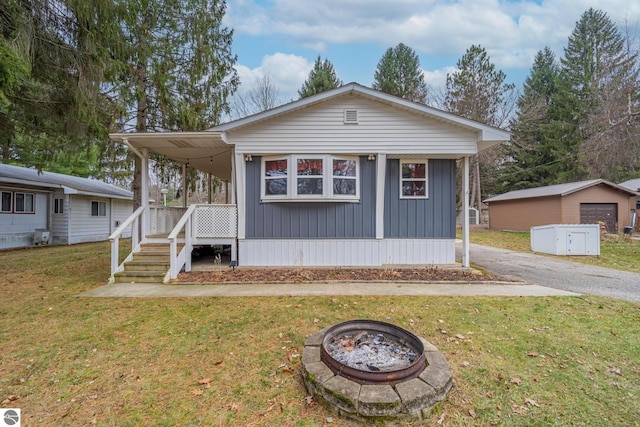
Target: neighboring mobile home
{"points": [[51, 208], [348, 177], [584, 202]]}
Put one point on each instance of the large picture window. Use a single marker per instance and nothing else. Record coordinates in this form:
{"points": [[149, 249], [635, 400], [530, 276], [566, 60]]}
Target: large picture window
{"points": [[313, 177], [413, 180]]}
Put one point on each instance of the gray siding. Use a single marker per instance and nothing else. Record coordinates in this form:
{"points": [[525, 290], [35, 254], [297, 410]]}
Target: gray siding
{"points": [[422, 218], [312, 220]]}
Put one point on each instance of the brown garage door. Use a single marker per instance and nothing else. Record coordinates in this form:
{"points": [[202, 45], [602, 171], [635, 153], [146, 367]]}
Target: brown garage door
{"points": [[592, 213]]}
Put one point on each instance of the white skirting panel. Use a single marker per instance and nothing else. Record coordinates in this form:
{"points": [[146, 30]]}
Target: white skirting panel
{"points": [[326, 253]]}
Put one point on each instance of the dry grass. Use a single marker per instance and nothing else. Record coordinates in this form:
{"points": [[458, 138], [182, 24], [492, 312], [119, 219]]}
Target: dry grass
{"points": [[70, 361]]}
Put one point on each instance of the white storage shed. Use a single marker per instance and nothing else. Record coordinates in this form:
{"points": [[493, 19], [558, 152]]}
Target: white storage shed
{"points": [[566, 239]]}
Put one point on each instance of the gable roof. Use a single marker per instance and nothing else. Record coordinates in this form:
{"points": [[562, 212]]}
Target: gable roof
{"points": [[488, 136], [555, 190], [632, 184], [70, 184]]}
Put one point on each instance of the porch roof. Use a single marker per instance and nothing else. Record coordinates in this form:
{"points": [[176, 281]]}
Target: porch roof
{"points": [[205, 151]]}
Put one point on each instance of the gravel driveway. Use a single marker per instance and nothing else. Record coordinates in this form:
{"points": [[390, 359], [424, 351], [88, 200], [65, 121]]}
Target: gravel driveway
{"points": [[555, 273]]}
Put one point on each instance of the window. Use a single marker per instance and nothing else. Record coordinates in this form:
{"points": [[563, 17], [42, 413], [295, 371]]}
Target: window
{"points": [[413, 180], [24, 202], [98, 208], [6, 202], [58, 206], [316, 177]]}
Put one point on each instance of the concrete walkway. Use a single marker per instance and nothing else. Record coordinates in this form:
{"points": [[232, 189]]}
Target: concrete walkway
{"points": [[317, 289]]}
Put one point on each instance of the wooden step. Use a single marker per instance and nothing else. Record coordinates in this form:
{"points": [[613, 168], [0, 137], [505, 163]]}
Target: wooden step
{"points": [[139, 276], [147, 265]]}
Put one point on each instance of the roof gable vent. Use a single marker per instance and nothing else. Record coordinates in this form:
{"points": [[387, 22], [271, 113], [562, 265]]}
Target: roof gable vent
{"points": [[351, 116]]}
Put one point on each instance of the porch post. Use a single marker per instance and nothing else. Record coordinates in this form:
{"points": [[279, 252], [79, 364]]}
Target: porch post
{"points": [[184, 184], [144, 199], [209, 188], [465, 214], [381, 171]]}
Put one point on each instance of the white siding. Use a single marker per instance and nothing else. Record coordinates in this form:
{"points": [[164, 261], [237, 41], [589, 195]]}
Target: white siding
{"points": [[322, 253], [16, 229], [83, 226], [60, 222], [380, 128], [120, 211]]}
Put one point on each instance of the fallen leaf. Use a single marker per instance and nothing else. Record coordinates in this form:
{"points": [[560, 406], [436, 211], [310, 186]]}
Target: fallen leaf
{"points": [[310, 401], [316, 320], [519, 409], [616, 371], [516, 381], [197, 392], [472, 413], [464, 364], [531, 402], [459, 336], [218, 363], [532, 354], [205, 381], [441, 419]]}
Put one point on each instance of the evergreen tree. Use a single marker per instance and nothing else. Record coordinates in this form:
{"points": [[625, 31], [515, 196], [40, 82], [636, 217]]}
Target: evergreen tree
{"points": [[321, 78], [529, 157], [476, 90], [594, 119], [398, 73]]}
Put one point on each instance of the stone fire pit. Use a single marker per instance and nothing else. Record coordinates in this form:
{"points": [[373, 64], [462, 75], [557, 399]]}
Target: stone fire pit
{"points": [[370, 369]]}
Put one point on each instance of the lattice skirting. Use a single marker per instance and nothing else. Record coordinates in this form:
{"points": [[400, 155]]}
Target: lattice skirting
{"points": [[371, 253]]}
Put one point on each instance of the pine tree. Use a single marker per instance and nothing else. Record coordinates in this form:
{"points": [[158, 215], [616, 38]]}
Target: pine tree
{"points": [[321, 78], [398, 73], [476, 90], [594, 112], [529, 157]]}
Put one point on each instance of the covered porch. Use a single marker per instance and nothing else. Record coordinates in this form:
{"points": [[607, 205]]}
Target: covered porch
{"points": [[163, 237]]}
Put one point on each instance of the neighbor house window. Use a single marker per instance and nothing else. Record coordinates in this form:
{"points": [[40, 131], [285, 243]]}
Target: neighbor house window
{"points": [[413, 180], [311, 177], [58, 206], [98, 208], [6, 202], [24, 202]]}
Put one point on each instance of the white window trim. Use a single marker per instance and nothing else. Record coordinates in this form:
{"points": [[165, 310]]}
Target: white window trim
{"points": [[24, 203], [292, 179], [426, 178], [58, 205], [100, 203], [10, 201]]}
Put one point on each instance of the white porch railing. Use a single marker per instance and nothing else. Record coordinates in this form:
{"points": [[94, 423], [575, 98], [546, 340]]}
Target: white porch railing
{"points": [[197, 225], [202, 224], [163, 219], [134, 222]]}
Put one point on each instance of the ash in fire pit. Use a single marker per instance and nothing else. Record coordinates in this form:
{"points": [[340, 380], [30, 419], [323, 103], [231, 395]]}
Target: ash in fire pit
{"points": [[370, 369], [370, 352]]}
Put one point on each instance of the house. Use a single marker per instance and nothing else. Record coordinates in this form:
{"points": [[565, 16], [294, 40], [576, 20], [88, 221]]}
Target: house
{"points": [[348, 177], [51, 208], [584, 202]]}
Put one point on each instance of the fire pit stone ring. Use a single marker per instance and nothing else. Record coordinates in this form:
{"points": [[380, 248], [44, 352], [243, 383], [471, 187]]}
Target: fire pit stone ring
{"points": [[409, 392]]}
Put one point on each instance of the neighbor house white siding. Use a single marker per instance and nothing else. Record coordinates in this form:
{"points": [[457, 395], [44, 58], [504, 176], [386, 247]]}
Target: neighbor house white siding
{"points": [[60, 221], [120, 211], [380, 128], [83, 226], [16, 229]]}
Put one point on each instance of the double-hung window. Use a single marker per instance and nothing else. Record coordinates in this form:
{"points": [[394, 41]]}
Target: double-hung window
{"points": [[58, 205], [310, 178], [413, 180]]}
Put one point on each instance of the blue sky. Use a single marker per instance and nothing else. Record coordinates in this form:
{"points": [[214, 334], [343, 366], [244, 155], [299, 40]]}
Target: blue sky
{"points": [[282, 38]]}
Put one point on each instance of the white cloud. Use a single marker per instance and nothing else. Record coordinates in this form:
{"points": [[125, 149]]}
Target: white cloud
{"points": [[437, 79], [511, 32], [287, 72]]}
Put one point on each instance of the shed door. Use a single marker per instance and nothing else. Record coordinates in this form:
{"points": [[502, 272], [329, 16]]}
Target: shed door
{"points": [[592, 213]]}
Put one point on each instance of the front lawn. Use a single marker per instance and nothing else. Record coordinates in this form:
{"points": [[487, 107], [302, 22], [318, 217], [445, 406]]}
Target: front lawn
{"points": [[69, 361]]}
